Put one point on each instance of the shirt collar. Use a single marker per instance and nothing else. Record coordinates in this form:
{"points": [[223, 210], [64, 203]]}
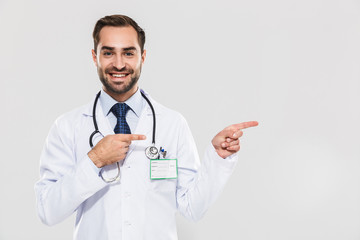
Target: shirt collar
{"points": [[134, 102]]}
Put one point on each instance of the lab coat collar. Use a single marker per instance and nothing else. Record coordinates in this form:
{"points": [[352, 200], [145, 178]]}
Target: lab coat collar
{"points": [[102, 122], [157, 108]]}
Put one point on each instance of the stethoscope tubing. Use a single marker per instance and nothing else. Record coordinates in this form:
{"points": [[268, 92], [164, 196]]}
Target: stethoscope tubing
{"points": [[96, 125], [94, 120], [153, 114], [117, 177]]}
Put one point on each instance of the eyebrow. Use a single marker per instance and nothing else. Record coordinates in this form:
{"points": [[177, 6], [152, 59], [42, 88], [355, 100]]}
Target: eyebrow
{"points": [[130, 49], [107, 48], [112, 48]]}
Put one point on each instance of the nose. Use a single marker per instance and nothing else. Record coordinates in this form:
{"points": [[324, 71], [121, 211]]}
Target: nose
{"points": [[119, 62]]}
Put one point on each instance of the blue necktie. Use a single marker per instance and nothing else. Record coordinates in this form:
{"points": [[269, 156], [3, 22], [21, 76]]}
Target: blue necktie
{"points": [[120, 110]]}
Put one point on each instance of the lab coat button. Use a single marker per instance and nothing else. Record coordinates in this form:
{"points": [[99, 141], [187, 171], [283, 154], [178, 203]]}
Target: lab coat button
{"points": [[127, 223]]}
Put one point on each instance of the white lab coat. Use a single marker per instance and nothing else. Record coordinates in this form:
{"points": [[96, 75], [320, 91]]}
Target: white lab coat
{"points": [[135, 207]]}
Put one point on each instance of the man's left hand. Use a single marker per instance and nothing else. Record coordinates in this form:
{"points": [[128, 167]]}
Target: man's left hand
{"points": [[227, 141]]}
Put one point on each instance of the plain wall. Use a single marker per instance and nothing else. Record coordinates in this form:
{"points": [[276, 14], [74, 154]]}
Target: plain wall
{"points": [[291, 65]]}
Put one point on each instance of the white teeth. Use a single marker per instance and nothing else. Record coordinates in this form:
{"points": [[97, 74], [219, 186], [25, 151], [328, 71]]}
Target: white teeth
{"points": [[119, 75]]}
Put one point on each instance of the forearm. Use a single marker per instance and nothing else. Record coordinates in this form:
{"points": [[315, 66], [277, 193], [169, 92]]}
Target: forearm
{"points": [[58, 197], [206, 186]]}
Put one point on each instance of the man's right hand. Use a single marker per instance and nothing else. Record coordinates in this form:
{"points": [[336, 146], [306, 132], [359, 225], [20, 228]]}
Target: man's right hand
{"points": [[112, 148]]}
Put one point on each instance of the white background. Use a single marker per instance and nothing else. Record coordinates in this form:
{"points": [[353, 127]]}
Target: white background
{"points": [[294, 66]]}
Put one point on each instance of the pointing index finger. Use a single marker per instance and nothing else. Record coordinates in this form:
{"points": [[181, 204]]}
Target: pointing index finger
{"points": [[246, 125], [131, 137], [137, 137]]}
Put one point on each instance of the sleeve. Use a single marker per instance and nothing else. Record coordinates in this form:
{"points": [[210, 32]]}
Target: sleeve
{"points": [[199, 185], [65, 182]]}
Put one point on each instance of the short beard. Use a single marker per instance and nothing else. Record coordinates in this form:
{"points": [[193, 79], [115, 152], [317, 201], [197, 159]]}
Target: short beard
{"points": [[113, 90]]}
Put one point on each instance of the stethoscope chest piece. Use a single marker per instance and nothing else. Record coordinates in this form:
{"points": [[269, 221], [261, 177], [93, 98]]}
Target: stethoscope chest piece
{"points": [[152, 152]]}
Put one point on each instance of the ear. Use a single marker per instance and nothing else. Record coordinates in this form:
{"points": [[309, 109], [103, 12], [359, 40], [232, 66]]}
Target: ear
{"points": [[143, 56], [94, 56]]}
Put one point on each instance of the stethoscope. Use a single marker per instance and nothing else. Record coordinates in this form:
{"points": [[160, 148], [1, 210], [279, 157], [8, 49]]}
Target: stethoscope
{"points": [[151, 152]]}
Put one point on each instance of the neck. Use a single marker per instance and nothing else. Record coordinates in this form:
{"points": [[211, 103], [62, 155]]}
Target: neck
{"points": [[123, 96]]}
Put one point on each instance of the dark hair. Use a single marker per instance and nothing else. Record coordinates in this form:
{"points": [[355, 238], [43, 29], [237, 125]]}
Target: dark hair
{"points": [[118, 21]]}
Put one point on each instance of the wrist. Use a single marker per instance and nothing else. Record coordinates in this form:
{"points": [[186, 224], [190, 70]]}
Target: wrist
{"points": [[94, 158]]}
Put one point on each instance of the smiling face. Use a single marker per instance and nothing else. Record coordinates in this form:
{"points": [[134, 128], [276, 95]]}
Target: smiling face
{"points": [[119, 60]]}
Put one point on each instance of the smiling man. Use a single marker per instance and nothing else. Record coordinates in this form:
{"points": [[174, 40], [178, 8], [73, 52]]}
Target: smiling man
{"points": [[128, 178], [118, 57]]}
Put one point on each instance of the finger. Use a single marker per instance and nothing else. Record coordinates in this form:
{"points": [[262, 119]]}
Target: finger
{"points": [[131, 137], [137, 137], [237, 134], [234, 148], [246, 125], [231, 134], [232, 142]]}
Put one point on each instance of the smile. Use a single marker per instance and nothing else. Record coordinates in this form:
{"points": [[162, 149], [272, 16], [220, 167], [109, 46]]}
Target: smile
{"points": [[118, 75]]}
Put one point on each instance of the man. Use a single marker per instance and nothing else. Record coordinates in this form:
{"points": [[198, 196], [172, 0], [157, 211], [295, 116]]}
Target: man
{"points": [[143, 202]]}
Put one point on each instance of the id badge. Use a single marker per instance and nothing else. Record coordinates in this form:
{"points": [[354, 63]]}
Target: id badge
{"points": [[163, 169]]}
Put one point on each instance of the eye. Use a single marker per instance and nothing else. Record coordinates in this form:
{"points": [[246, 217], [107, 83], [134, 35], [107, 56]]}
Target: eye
{"points": [[107, 53], [129, 54]]}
